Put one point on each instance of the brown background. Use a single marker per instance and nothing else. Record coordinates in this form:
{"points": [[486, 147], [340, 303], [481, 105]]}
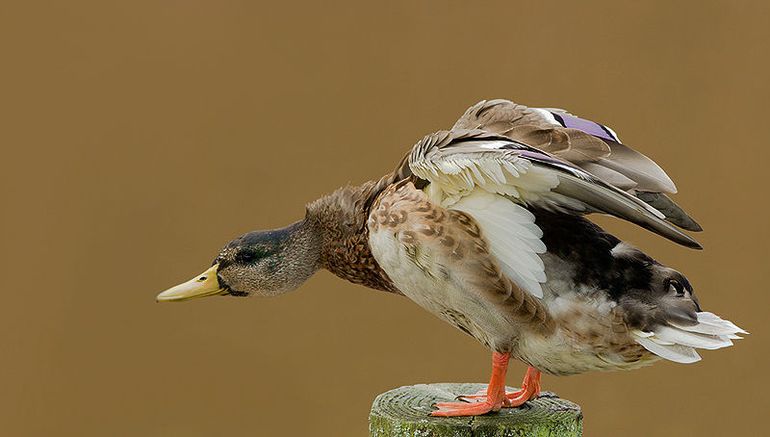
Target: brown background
{"points": [[139, 138]]}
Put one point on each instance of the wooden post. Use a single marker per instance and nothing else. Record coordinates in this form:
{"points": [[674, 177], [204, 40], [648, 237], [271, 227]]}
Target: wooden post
{"points": [[403, 412]]}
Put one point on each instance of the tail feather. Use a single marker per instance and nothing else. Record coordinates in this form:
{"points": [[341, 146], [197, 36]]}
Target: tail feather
{"points": [[672, 352], [710, 323], [692, 339], [678, 343]]}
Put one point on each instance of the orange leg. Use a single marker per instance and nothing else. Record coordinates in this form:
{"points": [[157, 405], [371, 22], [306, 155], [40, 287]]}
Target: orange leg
{"points": [[493, 400], [530, 389], [495, 397]]}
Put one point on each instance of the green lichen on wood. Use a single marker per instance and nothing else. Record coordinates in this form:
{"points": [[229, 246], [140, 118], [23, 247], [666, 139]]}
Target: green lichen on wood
{"points": [[403, 412]]}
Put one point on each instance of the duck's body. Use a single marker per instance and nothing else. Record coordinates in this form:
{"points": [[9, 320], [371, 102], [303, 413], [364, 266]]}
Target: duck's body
{"points": [[574, 328], [483, 227]]}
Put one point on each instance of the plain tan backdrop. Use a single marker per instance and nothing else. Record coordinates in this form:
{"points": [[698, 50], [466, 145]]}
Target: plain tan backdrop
{"points": [[138, 137]]}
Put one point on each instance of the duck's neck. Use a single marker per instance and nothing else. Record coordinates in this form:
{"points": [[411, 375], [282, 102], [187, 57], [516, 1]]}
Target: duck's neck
{"points": [[340, 220]]}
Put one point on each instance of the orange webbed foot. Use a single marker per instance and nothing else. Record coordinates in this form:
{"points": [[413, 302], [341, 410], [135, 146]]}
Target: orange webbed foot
{"points": [[482, 396], [495, 396], [492, 401]]}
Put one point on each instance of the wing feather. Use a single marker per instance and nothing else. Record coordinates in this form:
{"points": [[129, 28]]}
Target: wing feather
{"points": [[455, 162], [589, 145], [512, 236], [493, 178]]}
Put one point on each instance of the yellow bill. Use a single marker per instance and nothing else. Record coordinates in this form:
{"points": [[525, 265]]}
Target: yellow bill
{"points": [[205, 284]]}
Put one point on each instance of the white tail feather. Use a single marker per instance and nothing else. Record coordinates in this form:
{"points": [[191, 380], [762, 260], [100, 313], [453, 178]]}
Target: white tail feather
{"points": [[677, 343], [692, 339], [715, 324], [674, 352]]}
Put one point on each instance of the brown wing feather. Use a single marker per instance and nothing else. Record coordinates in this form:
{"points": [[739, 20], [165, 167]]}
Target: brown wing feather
{"points": [[615, 163]]}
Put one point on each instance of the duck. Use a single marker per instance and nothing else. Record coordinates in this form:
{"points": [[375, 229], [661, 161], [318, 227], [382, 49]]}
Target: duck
{"points": [[485, 225]]}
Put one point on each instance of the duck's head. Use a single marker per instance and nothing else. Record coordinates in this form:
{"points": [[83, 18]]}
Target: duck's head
{"points": [[259, 263]]}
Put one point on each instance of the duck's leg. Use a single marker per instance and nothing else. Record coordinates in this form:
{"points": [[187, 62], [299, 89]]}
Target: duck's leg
{"points": [[530, 389], [494, 399]]}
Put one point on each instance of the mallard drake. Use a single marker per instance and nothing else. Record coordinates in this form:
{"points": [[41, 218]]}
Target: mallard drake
{"points": [[484, 226]]}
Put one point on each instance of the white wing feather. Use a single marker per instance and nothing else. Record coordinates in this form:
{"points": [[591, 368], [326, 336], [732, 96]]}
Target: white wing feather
{"points": [[513, 237]]}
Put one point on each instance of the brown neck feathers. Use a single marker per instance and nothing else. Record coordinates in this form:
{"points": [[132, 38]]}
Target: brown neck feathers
{"points": [[341, 218]]}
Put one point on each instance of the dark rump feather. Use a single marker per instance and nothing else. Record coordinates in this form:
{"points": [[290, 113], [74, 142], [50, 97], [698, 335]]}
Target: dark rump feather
{"points": [[634, 280]]}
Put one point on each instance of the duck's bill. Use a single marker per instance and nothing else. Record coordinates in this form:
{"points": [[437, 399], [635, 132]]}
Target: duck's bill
{"points": [[205, 284]]}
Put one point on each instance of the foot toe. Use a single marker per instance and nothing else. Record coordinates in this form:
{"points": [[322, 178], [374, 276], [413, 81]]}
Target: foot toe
{"points": [[519, 400], [458, 409]]}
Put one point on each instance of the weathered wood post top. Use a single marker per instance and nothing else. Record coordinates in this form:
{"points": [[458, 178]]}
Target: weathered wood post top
{"points": [[403, 412]]}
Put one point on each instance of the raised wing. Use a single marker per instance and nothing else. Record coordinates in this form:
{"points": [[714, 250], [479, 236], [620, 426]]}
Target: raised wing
{"points": [[591, 146], [457, 162]]}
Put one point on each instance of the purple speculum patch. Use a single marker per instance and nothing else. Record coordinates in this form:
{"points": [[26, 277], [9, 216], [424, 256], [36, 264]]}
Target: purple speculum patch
{"points": [[586, 126]]}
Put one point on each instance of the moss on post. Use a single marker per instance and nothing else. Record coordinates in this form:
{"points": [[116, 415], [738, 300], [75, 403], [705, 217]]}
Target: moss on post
{"points": [[403, 412]]}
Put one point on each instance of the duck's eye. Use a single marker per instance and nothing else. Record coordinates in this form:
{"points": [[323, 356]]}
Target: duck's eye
{"points": [[251, 255], [675, 287], [246, 256]]}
